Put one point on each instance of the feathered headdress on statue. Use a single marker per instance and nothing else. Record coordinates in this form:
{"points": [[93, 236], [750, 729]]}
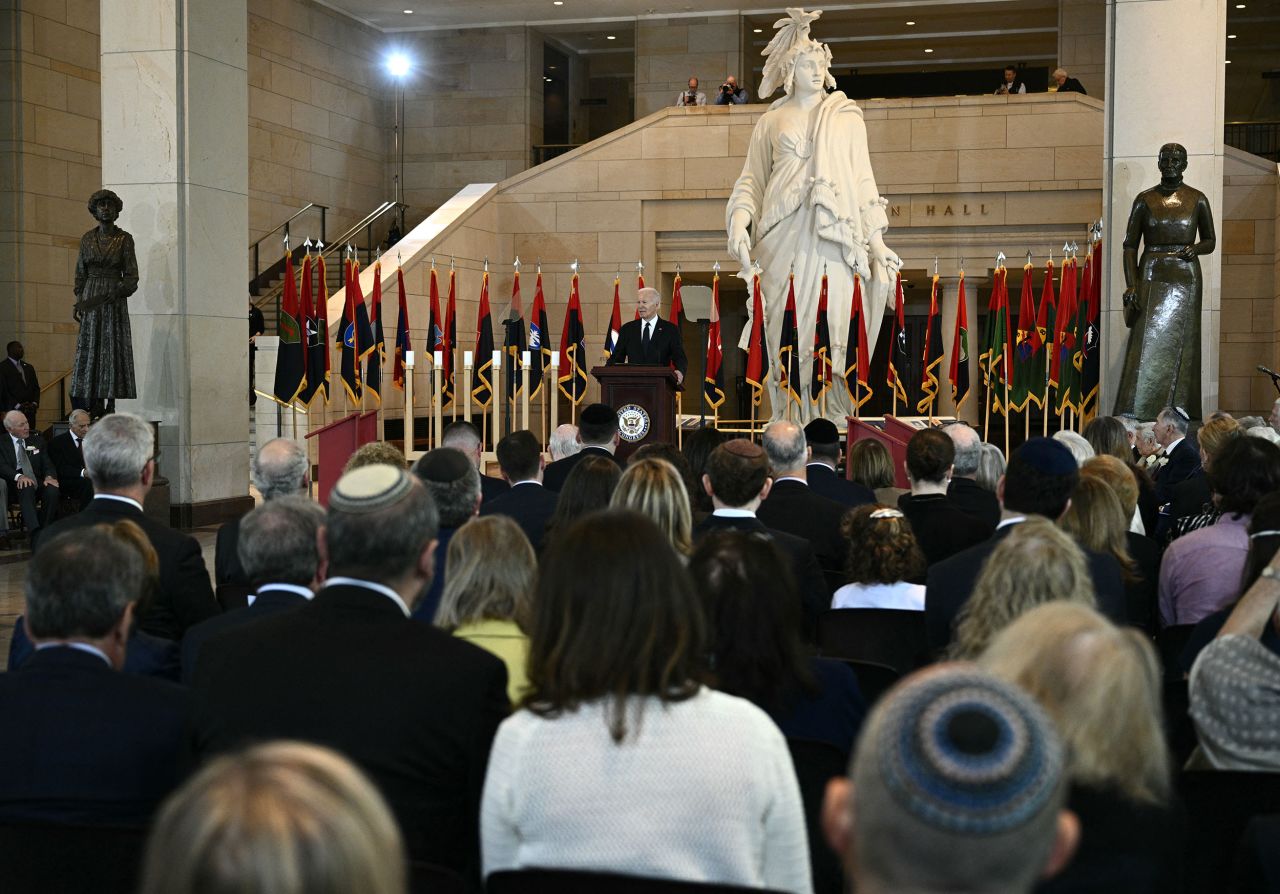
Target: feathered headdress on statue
{"points": [[791, 40]]}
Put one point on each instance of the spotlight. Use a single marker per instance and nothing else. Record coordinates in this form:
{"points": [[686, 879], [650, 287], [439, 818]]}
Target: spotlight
{"points": [[398, 65]]}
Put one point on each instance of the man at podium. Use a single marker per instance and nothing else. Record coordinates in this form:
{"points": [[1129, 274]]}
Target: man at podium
{"points": [[650, 340]]}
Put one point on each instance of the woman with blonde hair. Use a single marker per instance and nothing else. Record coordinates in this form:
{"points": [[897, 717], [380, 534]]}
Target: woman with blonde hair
{"points": [[871, 466], [1192, 505], [1122, 480], [1101, 686], [1096, 520], [653, 487], [280, 818], [488, 602], [1035, 563]]}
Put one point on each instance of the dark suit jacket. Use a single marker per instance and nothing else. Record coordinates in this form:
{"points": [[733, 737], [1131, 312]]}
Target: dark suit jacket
{"points": [[1071, 85], [951, 583], [491, 488], [824, 481], [268, 602], [425, 610], [1190, 495], [941, 529], [414, 707], [227, 569], [794, 507], [41, 464], [184, 597], [974, 500], [146, 655], [530, 505], [1183, 463], [554, 475], [12, 386], [68, 464], [1141, 594], [665, 347], [85, 743]]}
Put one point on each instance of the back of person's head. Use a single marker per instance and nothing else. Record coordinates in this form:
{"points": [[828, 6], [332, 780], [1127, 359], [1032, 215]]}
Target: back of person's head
{"points": [[278, 542], [1216, 434], [1039, 479], [375, 453], [564, 441], [1036, 563], [1264, 538], [379, 522], [823, 439], [614, 615], [453, 483], [491, 574], [968, 446], [587, 488], [882, 547], [1080, 448], [930, 453], [461, 435], [598, 425], [785, 446], [655, 489], [279, 818], [519, 456], [1243, 472], [1097, 520], [669, 453], [990, 467], [1108, 437], [1264, 432], [279, 468], [116, 450], [1119, 476], [80, 584], [737, 471], [958, 785], [870, 464], [697, 447], [1101, 684], [753, 615]]}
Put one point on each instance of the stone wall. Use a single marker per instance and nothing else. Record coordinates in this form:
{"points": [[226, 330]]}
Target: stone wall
{"points": [[670, 51], [1082, 42]]}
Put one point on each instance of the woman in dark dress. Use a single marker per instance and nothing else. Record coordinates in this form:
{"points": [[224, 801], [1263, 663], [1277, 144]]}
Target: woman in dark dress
{"points": [[106, 275]]}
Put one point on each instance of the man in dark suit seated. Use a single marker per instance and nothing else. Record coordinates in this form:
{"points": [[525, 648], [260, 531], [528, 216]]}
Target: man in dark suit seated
{"points": [[278, 553], [412, 706], [528, 502], [650, 340], [67, 453], [965, 492], [462, 435], [1039, 480], [737, 480], [941, 529], [280, 469], [1184, 457], [598, 435], [454, 486], [118, 453], [86, 743], [821, 471], [29, 473]]}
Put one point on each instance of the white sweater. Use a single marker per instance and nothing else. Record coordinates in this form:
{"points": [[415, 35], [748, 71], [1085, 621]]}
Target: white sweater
{"points": [[704, 791]]}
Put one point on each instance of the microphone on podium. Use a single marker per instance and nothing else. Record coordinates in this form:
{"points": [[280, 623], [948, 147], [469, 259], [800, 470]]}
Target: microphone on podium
{"points": [[1270, 372]]}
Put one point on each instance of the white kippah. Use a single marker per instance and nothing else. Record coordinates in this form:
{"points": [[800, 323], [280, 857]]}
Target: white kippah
{"points": [[369, 489]]}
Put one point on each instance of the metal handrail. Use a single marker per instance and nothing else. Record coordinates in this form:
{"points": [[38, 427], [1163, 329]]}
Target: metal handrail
{"points": [[62, 393], [259, 276]]}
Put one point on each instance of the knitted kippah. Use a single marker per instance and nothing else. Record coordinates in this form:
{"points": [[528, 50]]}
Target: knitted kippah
{"points": [[369, 489], [743, 447], [1048, 456], [822, 431], [968, 754], [443, 465]]}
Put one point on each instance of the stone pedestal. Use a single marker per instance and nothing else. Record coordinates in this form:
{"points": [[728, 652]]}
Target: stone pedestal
{"points": [[175, 148], [1181, 103]]}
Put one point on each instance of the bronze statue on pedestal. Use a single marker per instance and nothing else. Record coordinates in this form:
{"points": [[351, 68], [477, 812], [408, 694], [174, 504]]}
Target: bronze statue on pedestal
{"points": [[106, 275]]}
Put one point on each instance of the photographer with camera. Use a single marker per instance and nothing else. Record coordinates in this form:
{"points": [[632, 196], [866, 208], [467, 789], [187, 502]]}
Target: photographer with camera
{"points": [[693, 96], [731, 93]]}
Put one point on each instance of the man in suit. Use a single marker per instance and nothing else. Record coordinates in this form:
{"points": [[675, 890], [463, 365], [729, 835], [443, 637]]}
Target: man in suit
{"points": [[66, 452], [29, 474], [462, 435], [280, 469], [86, 743], [412, 706], [454, 486], [529, 503], [118, 453], [965, 492], [19, 384], [1184, 459], [598, 435], [1039, 480], [737, 480], [650, 340], [279, 554], [941, 529], [821, 472]]}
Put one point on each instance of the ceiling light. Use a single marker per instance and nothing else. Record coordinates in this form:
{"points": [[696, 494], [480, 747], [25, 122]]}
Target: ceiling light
{"points": [[928, 50], [1231, 37], [1239, 6], [757, 30], [398, 65], [610, 37], [551, 67], [408, 12], [1228, 61], [548, 80], [557, 2], [910, 23]]}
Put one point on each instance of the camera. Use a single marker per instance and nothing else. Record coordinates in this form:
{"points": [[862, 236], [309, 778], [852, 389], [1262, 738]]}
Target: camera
{"points": [[726, 88]]}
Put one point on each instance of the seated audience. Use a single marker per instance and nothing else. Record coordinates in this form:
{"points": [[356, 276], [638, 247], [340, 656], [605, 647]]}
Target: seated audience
{"points": [[528, 503], [1181, 457], [280, 469], [884, 561], [1081, 449], [588, 488], [1265, 432], [30, 475], [375, 453], [708, 793], [85, 743], [1036, 563], [697, 447], [991, 468], [653, 488], [871, 466], [455, 489], [465, 437], [943, 796], [965, 492], [1096, 520], [672, 454], [756, 651], [413, 707], [68, 460], [941, 529], [564, 441], [1150, 454], [283, 817], [1201, 571], [1191, 506], [822, 470], [1122, 478], [1066, 83], [1101, 684], [1109, 436], [598, 435]]}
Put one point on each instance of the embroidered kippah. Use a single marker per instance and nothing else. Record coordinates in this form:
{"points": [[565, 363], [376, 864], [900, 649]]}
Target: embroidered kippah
{"points": [[886, 513], [369, 489], [1048, 456], [443, 465], [743, 447], [1183, 414]]}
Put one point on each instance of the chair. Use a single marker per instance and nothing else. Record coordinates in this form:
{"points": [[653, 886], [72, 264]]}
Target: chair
{"points": [[1170, 643], [1257, 869], [817, 763], [874, 680], [1220, 804], [233, 596], [428, 878], [568, 881], [888, 636], [70, 859]]}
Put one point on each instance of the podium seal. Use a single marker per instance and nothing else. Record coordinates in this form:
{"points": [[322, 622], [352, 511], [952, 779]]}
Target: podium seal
{"points": [[633, 423]]}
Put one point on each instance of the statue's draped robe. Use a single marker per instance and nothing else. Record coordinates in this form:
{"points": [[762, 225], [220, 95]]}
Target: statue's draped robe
{"points": [[813, 202], [106, 275]]}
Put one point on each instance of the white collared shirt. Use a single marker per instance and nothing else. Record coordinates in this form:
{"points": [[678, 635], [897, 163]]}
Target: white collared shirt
{"points": [[79, 647], [1012, 520], [734, 513], [304, 592], [132, 502], [527, 481], [368, 585], [803, 481], [1168, 451]]}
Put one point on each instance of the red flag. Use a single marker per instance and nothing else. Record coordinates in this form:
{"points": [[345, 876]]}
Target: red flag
{"points": [[1024, 379], [788, 347], [450, 336], [677, 310], [317, 336], [757, 351], [573, 348], [713, 385], [615, 323], [1063, 335], [820, 380], [404, 343], [929, 380], [352, 346], [857, 355], [899, 360], [639, 286], [291, 362], [959, 372], [378, 348]]}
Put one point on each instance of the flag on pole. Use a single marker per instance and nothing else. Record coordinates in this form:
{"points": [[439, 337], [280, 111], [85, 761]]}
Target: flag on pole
{"points": [[514, 339], [291, 361], [615, 322], [482, 383], [435, 322], [757, 349], [1091, 341], [351, 346], [713, 383], [959, 373], [857, 370], [317, 334], [639, 285], [899, 360], [378, 352], [1041, 338], [363, 326], [1062, 370], [573, 347], [539, 339], [820, 380], [788, 347], [450, 337], [677, 311], [929, 380], [1024, 380], [995, 341], [404, 344]]}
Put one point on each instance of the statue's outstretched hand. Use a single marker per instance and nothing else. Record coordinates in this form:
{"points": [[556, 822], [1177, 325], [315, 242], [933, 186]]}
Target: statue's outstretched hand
{"points": [[883, 257], [740, 242]]}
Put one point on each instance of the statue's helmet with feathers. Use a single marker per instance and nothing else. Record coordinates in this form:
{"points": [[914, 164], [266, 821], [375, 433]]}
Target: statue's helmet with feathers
{"points": [[789, 43]]}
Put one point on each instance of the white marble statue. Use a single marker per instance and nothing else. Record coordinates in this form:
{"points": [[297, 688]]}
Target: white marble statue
{"points": [[807, 196]]}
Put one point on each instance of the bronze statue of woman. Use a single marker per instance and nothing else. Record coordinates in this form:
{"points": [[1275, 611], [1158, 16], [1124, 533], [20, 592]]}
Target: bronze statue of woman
{"points": [[1163, 293], [106, 275]]}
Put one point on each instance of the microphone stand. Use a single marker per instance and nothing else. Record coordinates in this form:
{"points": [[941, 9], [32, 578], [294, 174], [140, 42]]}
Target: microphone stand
{"points": [[1275, 377]]}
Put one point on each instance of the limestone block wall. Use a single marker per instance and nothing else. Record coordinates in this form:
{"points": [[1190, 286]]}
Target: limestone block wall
{"points": [[1082, 42], [670, 51]]}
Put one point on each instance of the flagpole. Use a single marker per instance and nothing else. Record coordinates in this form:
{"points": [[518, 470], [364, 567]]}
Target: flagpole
{"points": [[554, 397], [466, 386], [525, 357], [437, 390], [408, 403], [495, 394]]}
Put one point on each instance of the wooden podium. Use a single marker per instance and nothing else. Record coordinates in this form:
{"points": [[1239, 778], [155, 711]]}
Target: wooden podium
{"points": [[645, 399], [338, 440]]}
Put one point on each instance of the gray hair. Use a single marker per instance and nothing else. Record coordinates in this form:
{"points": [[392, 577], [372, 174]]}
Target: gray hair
{"points": [[279, 468], [13, 415], [80, 582], [968, 449], [990, 467], [564, 441], [785, 445], [1146, 432], [75, 414], [1173, 418], [384, 544], [461, 435], [1059, 71], [1130, 422], [1080, 448], [278, 541], [649, 290], [117, 449]]}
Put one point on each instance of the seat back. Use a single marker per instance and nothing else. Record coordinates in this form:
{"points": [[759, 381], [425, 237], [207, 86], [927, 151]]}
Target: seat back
{"points": [[1219, 805], [817, 763], [888, 636], [428, 878], [874, 680], [568, 881], [70, 859]]}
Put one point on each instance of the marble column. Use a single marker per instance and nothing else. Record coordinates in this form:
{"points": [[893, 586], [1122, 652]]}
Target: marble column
{"points": [[175, 148], [1179, 101]]}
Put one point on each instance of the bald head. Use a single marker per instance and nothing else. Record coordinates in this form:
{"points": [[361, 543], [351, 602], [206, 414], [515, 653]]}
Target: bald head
{"points": [[968, 450], [785, 445], [280, 469]]}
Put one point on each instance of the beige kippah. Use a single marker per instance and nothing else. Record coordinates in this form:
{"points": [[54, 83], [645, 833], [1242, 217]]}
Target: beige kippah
{"points": [[743, 447], [369, 489]]}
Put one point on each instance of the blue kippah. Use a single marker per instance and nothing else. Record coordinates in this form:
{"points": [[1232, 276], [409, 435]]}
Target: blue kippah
{"points": [[1047, 456]]}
